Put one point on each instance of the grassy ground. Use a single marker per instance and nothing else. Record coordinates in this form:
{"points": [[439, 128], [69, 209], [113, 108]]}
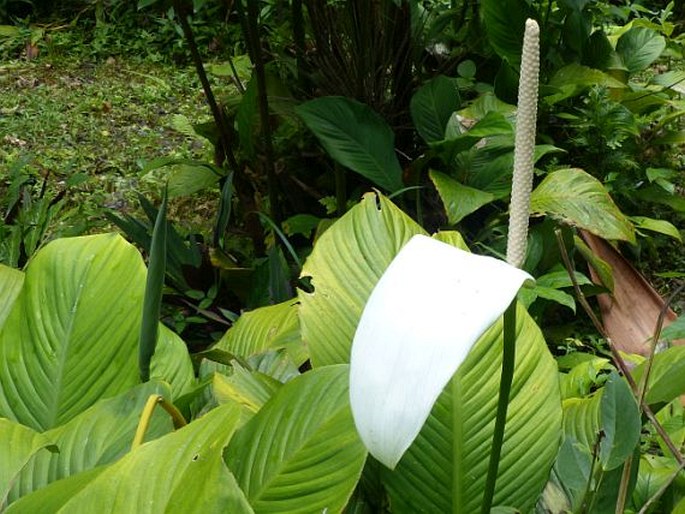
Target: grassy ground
{"points": [[90, 127]]}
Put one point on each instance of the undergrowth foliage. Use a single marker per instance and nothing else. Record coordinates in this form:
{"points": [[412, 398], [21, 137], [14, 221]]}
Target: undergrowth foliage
{"points": [[272, 123]]}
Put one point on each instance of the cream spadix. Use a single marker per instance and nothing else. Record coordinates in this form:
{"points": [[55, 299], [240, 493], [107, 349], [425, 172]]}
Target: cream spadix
{"points": [[428, 309]]}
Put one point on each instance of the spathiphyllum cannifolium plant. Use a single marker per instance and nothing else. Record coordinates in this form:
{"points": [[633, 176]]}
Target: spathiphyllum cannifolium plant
{"points": [[433, 303]]}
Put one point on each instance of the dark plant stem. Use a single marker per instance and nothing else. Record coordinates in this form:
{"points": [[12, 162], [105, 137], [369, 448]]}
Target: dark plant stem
{"points": [[506, 378], [224, 133], [298, 40], [251, 25], [340, 189], [243, 188]]}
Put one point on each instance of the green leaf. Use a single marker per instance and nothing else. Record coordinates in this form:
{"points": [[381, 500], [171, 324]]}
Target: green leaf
{"points": [[667, 378], [171, 362], [573, 78], [579, 199], [19, 445], [432, 105], [445, 469], [601, 267], [620, 420], [345, 265], [71, 337], [347, 261], [584, 376], [505, 22], [405, 348], [660, 226], [356, 137], [303, 224], [152, 300], [640, 47], [271, 327], [300, 452], [251, 390], [610, 417], [181, 472], [549, 293], [187, 180], [100, 435], [11, 282], [675, 330], [459, 200], [493, 124]]}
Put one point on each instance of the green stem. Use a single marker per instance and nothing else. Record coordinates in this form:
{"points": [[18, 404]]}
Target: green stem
{"points": [[146, 416], [506, 379]]}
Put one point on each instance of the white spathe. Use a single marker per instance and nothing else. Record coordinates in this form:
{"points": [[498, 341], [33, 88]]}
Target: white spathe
{"points": [[428, 309]]}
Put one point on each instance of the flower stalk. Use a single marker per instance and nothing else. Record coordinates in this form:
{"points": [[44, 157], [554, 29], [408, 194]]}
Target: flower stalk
{"points": [[522, 183]]}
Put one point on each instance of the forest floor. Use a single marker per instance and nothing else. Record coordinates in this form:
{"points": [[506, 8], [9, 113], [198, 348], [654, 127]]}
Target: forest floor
{"points": [[89, 128]]}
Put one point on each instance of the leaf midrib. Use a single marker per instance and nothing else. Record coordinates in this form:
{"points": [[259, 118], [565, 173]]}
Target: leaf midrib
{"points": [[53, 412]]}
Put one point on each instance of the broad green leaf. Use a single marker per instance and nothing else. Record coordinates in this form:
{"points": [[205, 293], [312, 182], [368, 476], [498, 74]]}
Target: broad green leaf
{"points": [[9, 31], [675, 330], [548, 293], [504, 23], [271, 327], [300, 452], [432, 105], [573, 78], [11, 282], [655, 471], [71, 336], [451, 237], [579, 199], [485, 103], [19, 445], [52, 498], [100, 435], [186, 180], [584, 377], [171, 362], [459, 200], [356, 137], [620, 420], [609, 417], [407, 347], [579, 75], [248, 389], [445, 468], [347, 261], [345, 265], [183, 470], [275, 364], [667, 377], [573, 468], [493, 124], [660, 226], [640, 47]]}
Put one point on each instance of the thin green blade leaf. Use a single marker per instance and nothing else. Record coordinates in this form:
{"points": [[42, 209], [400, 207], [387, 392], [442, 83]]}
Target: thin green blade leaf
{"points": [[153, 292]]}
